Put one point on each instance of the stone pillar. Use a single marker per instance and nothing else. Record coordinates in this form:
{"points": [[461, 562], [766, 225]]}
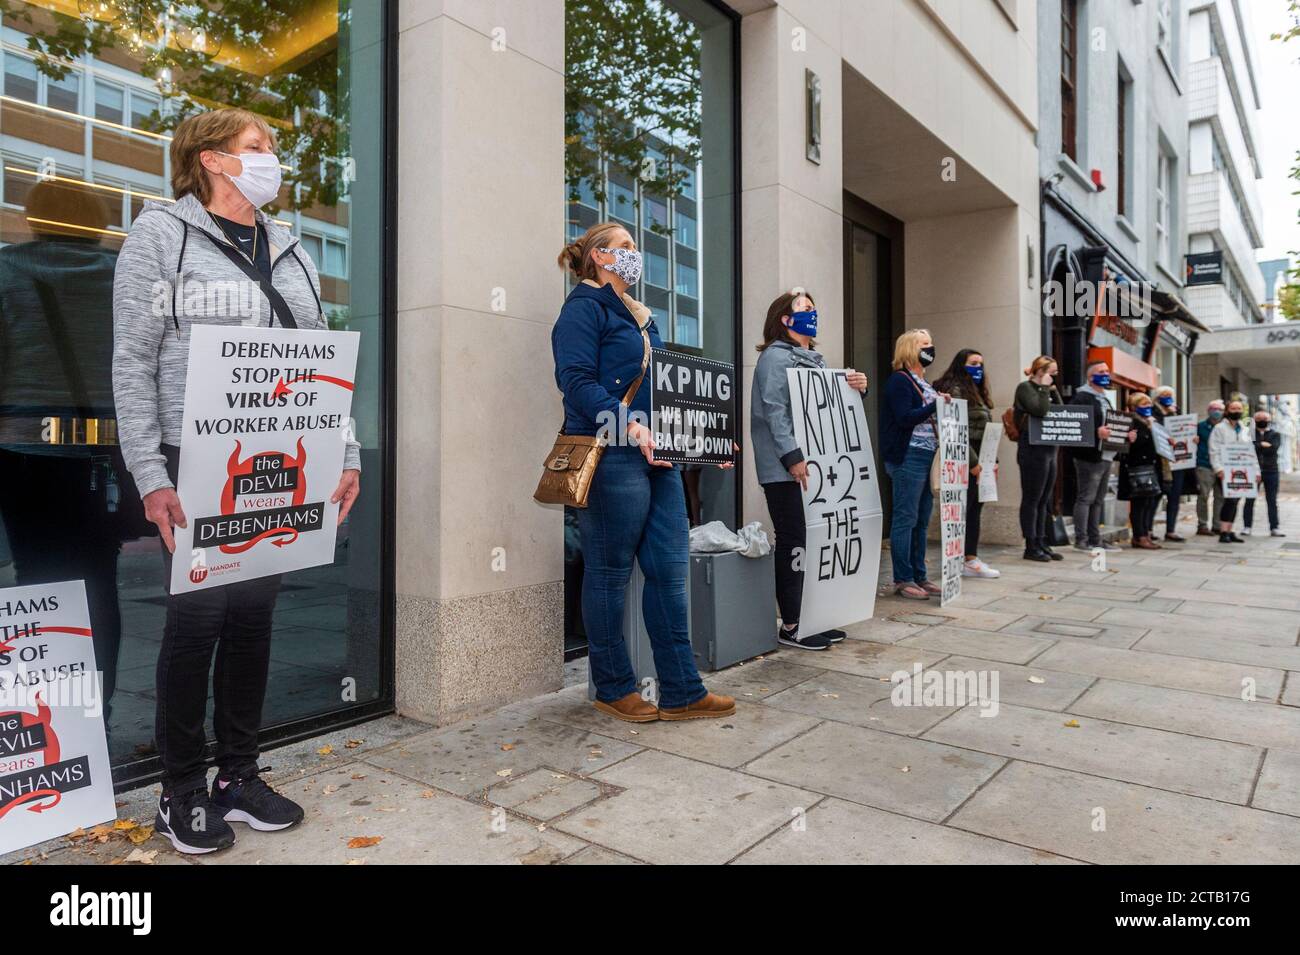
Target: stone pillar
{"points": [[481, 220]]}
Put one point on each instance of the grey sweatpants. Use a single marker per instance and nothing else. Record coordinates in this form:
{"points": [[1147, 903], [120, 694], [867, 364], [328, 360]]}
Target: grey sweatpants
{"points": [[1207, 486]]}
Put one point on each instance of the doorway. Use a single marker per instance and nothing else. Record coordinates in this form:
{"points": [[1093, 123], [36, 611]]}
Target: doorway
{"points": [[873, 302]]}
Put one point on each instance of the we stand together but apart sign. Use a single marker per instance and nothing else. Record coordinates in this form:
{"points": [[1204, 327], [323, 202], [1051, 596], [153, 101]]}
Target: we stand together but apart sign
{"points": [[841, 558], [262, 444]]}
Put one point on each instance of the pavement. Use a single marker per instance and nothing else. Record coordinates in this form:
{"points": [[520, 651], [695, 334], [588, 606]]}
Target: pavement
{"points": [[1147, 711]]}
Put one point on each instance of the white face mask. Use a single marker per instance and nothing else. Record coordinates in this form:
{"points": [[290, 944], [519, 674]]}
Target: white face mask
{"points": [[260, 181], [626, 264]]}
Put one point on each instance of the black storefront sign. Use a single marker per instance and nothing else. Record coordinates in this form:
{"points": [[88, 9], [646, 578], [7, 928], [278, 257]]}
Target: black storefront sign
{"points": [[1205, 268], [1065, 426], [692, 408], [1120, 424]]}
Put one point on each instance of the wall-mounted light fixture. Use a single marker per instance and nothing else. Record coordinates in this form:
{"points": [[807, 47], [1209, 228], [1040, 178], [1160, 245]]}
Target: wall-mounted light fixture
{"points": [[813, 114]]}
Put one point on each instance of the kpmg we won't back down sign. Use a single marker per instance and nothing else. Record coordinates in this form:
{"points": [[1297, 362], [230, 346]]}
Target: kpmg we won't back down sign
{"points": [[841, 558], [692, 408]]}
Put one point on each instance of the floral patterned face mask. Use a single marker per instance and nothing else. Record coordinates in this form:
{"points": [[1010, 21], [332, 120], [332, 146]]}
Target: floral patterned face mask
{"points": [[626, 264]]}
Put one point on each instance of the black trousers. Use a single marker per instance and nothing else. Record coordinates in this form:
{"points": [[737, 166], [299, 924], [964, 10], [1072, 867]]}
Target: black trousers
{"points": [[1037, 482], [785, 504], [56, 515], [974, 506], [1173, 492], [235, 621], [1270, 479], [1142, 514]]}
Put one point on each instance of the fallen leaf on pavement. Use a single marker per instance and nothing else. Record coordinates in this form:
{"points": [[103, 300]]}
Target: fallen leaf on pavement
{"points": [[504, 772], [140, 834], [325, 750], [1036, 679], [364, 842], [353, 743], [141, 857], [507, 747], [330, 790], [907, 769], [1072, 724]]}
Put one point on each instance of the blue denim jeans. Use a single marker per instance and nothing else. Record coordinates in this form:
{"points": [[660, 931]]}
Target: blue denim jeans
{"points": [[911, 517], [637, 511]]}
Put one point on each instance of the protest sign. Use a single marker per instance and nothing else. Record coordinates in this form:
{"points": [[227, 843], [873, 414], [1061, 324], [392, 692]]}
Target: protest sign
{"points": [[54, 769], [1240, 470], [1120, 424], [1182, 440], [1161, 438], [841, 560], [954, 473], [1065, 426], [692, 408], [988, 479], [262, 444]]}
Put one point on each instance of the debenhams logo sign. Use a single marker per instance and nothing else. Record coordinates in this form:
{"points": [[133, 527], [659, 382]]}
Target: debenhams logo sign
{"points": [[77, 908]]}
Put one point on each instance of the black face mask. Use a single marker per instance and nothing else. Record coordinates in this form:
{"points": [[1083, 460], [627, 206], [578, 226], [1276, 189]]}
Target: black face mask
{"points": [[1234, 415], [927, 357]]}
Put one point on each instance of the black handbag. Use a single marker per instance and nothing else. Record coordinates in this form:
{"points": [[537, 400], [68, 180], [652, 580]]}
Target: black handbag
{"points": [[1143, 481]]}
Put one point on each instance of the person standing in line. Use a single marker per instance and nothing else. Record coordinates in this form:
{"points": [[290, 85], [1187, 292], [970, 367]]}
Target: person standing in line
{"points": [[1143, 496], [788, 342], [1034, 397], [1092, 466], [1171, 480], [1267, 442], [1231, 430], [636, 505], [966, 378], [908, 442], [1209, 495]]}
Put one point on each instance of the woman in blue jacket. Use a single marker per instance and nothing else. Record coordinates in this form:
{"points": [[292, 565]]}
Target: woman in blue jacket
{"points": [[635, 507], [908, 442], [778, 460]]}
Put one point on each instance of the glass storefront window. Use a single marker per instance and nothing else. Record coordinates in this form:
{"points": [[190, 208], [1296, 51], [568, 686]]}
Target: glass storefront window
{"points": [[659, 158], [315, 72]]}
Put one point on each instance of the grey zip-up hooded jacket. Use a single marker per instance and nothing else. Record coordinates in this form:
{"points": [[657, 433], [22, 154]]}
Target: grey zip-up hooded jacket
{"points": [[771, 423], [164, 283]]}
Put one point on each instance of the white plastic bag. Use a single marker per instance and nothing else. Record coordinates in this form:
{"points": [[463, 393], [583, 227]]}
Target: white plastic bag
{"points": [[716, 538]]}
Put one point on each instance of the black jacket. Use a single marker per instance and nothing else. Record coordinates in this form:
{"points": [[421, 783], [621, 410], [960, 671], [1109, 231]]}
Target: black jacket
{"points": [[1141, 450], [1267, 456]]}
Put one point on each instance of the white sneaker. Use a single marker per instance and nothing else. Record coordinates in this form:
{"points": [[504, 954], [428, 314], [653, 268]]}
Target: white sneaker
{"points": [[977, 568], [1245, 532]]}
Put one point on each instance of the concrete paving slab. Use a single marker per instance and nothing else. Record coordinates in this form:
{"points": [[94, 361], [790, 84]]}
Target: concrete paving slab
{"points": [[1150, 757], [1278, 789], [1235, 615], [757, 679], [1015, 686], [915, 777], [390, 808], [752, 731], [1094, 632], [1247, 648], [870, 659], [979, 619], [1256, 723], [843, 833], [1047, 605], [595, 855], [1061, 811], [858, 700], [1160, 669], [879, 629], [989, 645], [679, 811], [1291, 696], [1099, 602], [543, 793], [469, 757], [1270, 598]]}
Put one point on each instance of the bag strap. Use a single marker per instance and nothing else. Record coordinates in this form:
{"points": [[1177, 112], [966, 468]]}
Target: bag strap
{"points": [[632, 389], [279, 307]]}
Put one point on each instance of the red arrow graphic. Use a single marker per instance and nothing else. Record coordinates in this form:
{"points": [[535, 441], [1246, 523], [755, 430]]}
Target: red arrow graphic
{"points": [[282, 389]]}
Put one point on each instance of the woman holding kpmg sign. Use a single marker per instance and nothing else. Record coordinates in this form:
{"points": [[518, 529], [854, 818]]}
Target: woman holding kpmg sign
{"points": [[1035, 397], [223, 170], [788, 342], [909, 439], [965, 378], [635, 507]]}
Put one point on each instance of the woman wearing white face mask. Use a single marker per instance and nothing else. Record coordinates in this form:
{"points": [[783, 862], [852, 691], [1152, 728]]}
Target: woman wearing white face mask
{"points": [[224, 169]]}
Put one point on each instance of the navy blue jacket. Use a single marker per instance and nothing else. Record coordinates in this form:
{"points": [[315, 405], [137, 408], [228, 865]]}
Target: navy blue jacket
{"points": [[598, 351], [901, 411]]}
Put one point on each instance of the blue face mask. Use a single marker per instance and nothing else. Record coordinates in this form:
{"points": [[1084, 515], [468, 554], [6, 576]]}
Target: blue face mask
{"points": [[1145, 411], [976, 373], [1166, 400], [1216, 414], [1101, 381], [805, 323]]}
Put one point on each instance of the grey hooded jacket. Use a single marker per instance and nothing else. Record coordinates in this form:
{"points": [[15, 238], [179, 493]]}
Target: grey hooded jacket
{"points": [[170, 276], [771, 425]]}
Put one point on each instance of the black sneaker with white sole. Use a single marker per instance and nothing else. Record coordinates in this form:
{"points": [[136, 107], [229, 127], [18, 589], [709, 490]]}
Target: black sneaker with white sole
{"points": [[833, 636], [192, 824], [245, 797], [792, 638]]}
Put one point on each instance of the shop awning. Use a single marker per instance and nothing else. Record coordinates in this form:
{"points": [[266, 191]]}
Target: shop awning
{"points": [[1128, 370], [1269, 353], [1171, 307]]}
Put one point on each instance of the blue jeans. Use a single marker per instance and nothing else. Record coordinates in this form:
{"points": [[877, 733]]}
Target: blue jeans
{"points": [[637, 511], [911, 518]]}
